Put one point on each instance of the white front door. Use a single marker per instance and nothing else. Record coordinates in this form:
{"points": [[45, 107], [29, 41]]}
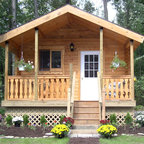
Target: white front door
{"points": [[89, 68]]}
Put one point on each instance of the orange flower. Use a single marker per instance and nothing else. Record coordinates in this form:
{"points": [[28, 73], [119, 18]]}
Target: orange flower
{"points": [[55, 121], [46, 123], [29, 124]]}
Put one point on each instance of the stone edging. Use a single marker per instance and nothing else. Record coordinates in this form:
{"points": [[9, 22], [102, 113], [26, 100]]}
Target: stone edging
{"points": [[47, 135]]}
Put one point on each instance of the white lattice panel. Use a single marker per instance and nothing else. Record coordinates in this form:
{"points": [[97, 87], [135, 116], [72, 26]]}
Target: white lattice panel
{"points": [[51, 114]]}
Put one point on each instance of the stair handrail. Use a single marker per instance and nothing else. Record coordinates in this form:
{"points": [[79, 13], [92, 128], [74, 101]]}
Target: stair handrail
{"points": [[99, 87], [72, 93]]}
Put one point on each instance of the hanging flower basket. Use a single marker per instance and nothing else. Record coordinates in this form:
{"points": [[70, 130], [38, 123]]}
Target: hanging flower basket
{"points": [[116, 63], [23, 66]]}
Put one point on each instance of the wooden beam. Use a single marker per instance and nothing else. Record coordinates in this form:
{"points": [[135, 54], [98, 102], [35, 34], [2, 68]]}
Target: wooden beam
{"points": [[6, 70], [101, 53], [36, 64], [132, 68]]}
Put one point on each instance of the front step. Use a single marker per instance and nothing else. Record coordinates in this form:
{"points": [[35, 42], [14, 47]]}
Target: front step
{"points": [[82, 131], [86, 109], [86, 113], [86, 104], [86, 121]]}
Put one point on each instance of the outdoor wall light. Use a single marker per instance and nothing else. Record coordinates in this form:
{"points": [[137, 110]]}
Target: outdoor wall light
{"points": [[72, 47]]}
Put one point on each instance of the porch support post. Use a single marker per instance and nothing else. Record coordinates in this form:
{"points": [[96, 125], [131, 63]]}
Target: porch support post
{"points": [[6, 69], [36, 64], [101, 52], [132, 68]]}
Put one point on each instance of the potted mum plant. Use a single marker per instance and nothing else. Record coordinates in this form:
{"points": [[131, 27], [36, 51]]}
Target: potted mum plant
{"points": [[60, 130], [17, 121]]}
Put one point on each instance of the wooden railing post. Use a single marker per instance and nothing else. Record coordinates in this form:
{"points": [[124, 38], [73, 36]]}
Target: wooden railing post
{"points": [[101, 54], [36, 65], [103, 104], [132, 68], [6, 70], [68, 103]]}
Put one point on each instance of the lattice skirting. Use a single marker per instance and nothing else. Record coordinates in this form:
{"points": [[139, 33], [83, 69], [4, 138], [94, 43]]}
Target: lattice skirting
{"points": [[34, 114], [120, 113]]}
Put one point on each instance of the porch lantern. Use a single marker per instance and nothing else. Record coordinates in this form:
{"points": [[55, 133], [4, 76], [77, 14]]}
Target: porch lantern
{"points": [[72, 47]]}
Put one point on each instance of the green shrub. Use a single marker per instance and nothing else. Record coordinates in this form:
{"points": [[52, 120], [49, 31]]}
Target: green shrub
{"points": [[42, 120], [61, 118], [9, 120], [113, 119], [2, 111], [128, 119], [25, 120], [139, 108]]}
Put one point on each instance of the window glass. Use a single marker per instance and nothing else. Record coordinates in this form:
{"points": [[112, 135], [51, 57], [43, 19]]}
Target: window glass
{"points": [[56, 59], [44, 60]]}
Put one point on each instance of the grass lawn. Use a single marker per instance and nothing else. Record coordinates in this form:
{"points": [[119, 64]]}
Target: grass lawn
{"points": [[123, 140], [35, 141]]}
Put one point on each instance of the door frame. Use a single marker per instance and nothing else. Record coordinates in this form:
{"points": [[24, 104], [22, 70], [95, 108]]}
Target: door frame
{"points": [[88, 52]]}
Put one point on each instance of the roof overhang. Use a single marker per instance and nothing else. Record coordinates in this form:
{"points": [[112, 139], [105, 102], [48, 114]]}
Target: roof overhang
{"points": [[62, 12]]}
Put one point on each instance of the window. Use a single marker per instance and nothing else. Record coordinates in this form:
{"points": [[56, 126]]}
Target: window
{"points": [[56, 59], [50, 60]]}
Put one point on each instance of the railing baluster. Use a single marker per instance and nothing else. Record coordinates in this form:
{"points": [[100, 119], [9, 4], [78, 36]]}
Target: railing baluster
{"points": [[12, 88], [62, 89], [25, 88], [16, 88], [30, 89]]}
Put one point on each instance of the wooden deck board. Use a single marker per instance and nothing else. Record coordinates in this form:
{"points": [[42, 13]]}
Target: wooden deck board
{"points": [[50, 103]]}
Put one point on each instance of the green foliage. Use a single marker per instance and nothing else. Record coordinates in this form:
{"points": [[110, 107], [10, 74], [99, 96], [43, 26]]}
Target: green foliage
{"points": [[139, 108], [25, 120], [116, 63], [2, 111], [139, 91], [61, 118], [113, 119], [42, 120], [9, 120], [89, 7], [128, 119]]}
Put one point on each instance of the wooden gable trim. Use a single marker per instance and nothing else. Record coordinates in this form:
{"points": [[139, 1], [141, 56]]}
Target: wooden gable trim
{"points": [[77, 12]]}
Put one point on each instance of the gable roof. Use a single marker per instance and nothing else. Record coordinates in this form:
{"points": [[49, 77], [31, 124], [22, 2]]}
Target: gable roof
{"points": [[68, 9]]}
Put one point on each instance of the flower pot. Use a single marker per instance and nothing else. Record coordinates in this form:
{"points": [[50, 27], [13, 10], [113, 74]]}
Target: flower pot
{"points": [[21, 68], [17, 124]]}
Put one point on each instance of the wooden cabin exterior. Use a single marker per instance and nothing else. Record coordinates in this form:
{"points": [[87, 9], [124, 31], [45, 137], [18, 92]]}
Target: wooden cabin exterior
{"points": [[78, 83]]}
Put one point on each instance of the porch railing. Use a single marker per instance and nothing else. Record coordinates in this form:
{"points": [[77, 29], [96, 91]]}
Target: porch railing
{"points": [[52, 88], [117, 88], [49, 88]]}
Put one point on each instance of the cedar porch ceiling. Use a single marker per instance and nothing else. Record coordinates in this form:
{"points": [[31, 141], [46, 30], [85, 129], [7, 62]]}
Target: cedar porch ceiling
{"points": [[66, 16]]}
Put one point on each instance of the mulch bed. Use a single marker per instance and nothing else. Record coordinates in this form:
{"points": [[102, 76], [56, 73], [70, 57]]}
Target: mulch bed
{"points": [[129, 130], [24, 131], [84, 141]]}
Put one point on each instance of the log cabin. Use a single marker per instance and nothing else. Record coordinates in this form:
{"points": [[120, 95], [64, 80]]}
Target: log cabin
{"points": [[72, 51]]}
